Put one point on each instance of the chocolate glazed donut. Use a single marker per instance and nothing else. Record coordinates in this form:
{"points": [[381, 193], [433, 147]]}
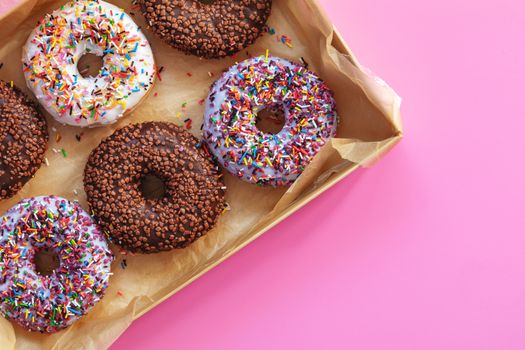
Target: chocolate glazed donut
{"points": [[207, 28], [23, 140], [113, 178]]}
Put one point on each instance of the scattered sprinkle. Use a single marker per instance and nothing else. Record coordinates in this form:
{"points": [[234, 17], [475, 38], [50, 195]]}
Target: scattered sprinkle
{"points": [[305, 64], [285, 40], [159, 71]]}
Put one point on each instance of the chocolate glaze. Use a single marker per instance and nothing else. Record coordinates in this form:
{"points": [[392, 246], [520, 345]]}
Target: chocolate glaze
{"points": [[209, 29], [194, 194], [23, 140]]}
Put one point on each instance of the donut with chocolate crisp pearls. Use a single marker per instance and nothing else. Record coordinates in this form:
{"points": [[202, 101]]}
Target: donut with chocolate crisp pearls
{"points": [[42, 302], [207, 28], [260, 83], [133, 219], [54, 48], [23, 139]]}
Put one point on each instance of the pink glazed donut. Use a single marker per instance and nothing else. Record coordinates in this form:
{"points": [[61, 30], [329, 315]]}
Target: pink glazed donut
{"points": [[259, 83], [49, 303]]}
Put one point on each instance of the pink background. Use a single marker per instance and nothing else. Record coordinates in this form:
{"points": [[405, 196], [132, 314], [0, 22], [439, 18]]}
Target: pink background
{"points": [[434, 257]]}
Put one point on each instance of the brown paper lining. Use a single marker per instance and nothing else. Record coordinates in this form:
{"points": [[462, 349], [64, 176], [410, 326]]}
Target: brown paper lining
{"points": [[370, 125]]}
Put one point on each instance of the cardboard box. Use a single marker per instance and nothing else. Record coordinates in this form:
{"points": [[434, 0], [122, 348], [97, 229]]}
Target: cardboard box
{"points": [[370, 125]]}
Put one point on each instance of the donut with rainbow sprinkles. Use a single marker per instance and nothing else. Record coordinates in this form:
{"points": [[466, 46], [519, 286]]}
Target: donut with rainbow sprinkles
{"points": [[80, 27], [47, 303], [260, 83]]}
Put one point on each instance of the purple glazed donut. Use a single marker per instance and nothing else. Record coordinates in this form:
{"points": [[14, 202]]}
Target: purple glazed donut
{"points": [[48, 303], [247, 88]]}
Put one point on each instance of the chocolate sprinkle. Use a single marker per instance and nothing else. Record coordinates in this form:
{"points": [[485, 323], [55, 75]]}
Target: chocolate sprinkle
{"points": [[23, 140], [208, 29], [193, 198]]}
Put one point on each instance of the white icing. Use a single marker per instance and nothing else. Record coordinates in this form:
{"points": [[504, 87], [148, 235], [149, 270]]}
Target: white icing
{"points": [[222, 119], [135, 88], [17, 250]]}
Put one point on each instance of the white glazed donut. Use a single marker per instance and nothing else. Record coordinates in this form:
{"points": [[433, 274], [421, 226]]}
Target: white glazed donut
{"points": [[48, 303], [230, 129], [52, 52]]}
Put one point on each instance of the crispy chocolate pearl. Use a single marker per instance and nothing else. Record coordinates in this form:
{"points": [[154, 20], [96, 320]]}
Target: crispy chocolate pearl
{"points": [[23, 140], [209, 29], [194, 196]]}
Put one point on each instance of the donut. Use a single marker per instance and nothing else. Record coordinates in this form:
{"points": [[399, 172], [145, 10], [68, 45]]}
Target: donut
{"points": [[49, 303], [208, 29], [113, 180], [260, 83], [52, 52], [23, 140]]}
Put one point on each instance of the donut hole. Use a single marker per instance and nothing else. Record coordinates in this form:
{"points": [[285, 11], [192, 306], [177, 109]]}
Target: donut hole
{"points": [[207, 2], [270, 120], [46, 261], [152, 187], [90, 65]]}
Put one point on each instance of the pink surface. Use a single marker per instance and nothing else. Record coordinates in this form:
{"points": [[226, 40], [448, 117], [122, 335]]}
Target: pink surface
{"points": [[434, 256]]}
